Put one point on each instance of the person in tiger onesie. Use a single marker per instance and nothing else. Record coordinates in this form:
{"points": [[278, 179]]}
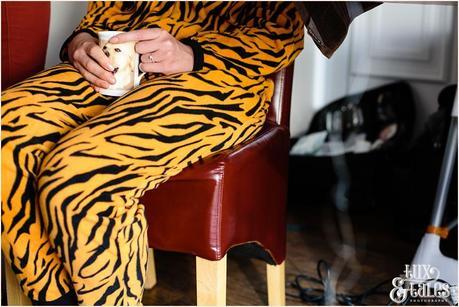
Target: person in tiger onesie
{"points": [[75, 163]]}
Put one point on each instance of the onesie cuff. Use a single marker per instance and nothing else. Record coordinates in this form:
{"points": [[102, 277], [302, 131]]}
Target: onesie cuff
{"points": [[198, 54], [63, 53]]}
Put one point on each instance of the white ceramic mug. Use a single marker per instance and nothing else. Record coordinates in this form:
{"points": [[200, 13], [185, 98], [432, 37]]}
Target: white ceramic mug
{"points": [[125, 61]]}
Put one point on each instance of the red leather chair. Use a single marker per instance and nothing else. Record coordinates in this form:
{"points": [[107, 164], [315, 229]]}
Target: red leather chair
{"points": [[235, 197], [25, 27]]}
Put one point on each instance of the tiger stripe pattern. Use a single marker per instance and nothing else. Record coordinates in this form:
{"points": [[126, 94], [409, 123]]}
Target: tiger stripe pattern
{"points": [[75, 163]]}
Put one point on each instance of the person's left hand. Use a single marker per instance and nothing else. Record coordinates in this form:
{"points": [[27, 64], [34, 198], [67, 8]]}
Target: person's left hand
{"points": [[159, 51]]}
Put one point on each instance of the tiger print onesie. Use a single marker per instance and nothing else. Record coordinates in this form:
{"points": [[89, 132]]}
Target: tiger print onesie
{"points": [[75, 163]]}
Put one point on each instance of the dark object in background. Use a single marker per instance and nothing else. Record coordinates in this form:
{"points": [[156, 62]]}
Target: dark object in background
{"points": [[328, 22], [4, 300], [312, 178], [382, 106], [416, 176]]}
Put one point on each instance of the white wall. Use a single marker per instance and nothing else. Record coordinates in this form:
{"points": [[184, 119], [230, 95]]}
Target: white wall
{"points": [[417, 43], [65, 16], [317, 81]]}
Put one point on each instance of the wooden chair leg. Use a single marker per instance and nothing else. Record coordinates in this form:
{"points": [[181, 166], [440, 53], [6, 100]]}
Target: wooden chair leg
{"points": [[211, 282], [14, 294], [276, 284], [150, 278]]}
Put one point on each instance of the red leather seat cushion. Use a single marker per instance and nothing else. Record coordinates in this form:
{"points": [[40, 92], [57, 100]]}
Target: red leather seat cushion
{"points": [[25, 27], [235, 197]]}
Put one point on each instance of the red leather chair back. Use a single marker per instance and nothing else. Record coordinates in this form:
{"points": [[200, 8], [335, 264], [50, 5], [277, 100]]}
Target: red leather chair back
{"points": [[279, 111], [25, 27]]}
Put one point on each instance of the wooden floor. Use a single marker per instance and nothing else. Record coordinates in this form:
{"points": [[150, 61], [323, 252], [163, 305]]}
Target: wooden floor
{"points": [[380, 254]]}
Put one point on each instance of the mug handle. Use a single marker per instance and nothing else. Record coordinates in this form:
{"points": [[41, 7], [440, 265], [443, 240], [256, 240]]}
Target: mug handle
{"points": [[137, 76]]}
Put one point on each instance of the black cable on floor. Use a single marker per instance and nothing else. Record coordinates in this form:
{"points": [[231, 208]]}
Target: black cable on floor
{"points": [[316, 295]]}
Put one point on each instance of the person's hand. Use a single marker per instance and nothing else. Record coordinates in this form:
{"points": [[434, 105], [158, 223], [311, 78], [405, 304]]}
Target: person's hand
{"points": [[90, 60], [159, 51]]}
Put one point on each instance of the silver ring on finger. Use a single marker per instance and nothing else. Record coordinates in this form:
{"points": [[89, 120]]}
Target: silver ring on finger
{"points": [[150, 58]]}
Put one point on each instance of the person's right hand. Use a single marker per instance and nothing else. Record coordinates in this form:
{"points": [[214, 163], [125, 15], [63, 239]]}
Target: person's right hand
{"points": [[90, 60]]}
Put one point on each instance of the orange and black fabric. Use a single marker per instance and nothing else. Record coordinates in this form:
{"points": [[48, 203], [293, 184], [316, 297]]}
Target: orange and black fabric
{"points": [[76, 163]]}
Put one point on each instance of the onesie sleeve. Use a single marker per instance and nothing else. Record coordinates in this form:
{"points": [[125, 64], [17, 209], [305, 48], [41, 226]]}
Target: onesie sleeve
{"points": [[263, 38], [95, 20]]}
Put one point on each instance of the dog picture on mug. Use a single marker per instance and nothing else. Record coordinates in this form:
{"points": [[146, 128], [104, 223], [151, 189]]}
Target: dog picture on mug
{"points": [[122, 58]]}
